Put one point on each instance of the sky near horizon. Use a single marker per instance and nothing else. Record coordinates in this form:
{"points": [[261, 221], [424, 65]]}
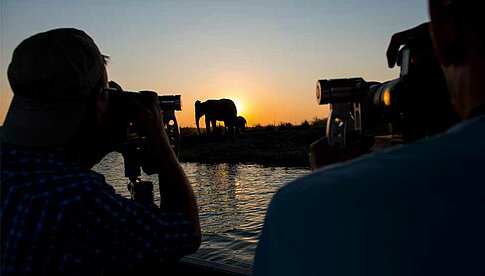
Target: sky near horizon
{"points": [[265, 55]]}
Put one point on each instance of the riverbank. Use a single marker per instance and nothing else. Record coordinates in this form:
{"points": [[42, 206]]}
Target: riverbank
{"points": [[272, 146]]}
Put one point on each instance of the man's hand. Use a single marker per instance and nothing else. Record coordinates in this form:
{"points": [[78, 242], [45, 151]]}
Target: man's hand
{"points": [[150, 123], [149, 115], [428, 81], [176, 194], [399, 39]]}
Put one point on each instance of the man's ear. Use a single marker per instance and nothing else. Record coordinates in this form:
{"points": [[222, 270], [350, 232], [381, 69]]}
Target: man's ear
{"points": [[446, 31]]}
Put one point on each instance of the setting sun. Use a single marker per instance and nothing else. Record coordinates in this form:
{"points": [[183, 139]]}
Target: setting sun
{"points": [[239, 106]]}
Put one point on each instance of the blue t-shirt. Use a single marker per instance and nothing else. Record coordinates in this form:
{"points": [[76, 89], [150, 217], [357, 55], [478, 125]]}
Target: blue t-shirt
{"points": [[416, 209]]}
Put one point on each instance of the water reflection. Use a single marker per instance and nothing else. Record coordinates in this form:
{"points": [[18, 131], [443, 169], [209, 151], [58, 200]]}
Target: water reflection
{"points": [[232, 201], [215, 187]]}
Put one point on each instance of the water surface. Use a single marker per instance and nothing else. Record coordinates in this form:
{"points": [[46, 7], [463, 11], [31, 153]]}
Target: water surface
{"points": [[232, 201]]}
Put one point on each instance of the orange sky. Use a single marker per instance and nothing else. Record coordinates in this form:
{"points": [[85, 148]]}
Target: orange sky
{"points": [[267, 56]]}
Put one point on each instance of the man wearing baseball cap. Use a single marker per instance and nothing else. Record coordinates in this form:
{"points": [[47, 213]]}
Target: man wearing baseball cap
{"points": [[58, 216]]}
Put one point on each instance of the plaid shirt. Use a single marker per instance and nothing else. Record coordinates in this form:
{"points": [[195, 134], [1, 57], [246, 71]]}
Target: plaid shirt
{"points": [[58, 218]]}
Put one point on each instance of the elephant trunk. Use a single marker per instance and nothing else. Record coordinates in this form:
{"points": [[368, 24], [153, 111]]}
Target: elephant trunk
{"points": [[197, 118]]}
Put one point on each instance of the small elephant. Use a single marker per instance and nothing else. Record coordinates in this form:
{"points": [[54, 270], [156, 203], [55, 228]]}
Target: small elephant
{"points": [[240, 125], [216, 110]]}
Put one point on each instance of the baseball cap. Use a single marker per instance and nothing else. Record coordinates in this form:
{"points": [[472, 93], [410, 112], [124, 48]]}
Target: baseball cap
{"points": [[51, 75]]}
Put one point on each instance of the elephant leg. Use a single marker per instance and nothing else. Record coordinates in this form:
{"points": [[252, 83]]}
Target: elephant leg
{"points": [[238, 129], [230, 127], [214, 125], [207, 125]]}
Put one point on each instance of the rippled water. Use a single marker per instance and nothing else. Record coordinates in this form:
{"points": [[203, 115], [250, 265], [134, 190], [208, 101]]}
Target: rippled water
{"points": [[232, 201]]}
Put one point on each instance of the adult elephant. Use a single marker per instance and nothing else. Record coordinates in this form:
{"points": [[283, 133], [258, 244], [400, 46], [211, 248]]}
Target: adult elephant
{"points": [[216, 110], [240, 125]]}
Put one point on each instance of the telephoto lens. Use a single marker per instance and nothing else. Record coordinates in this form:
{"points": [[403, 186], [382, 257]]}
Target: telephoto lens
{"points": [[340, 90]]}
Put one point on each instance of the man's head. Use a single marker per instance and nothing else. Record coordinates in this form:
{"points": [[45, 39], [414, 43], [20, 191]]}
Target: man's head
{"points": [[55, 77], [459, 39]]}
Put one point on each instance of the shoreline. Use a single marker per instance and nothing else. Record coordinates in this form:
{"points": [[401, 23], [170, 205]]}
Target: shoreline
{"points": [[286, 147]]}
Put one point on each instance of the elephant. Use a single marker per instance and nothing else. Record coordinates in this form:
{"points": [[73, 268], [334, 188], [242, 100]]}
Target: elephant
{"points": [[240, 125], [216, 110]]}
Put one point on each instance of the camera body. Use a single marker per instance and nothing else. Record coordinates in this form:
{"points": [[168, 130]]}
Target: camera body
{"points": [[406, 108], [123, 117]]}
